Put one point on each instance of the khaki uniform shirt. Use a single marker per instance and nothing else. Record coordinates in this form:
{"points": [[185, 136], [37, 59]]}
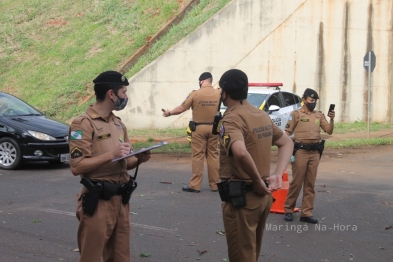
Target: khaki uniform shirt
{"points": [[92, 135], [255, 128], [204, 104], [307, 126]]}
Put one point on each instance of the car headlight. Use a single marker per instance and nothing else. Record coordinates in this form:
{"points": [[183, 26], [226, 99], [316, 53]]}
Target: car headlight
{"points": [[41, 136]]}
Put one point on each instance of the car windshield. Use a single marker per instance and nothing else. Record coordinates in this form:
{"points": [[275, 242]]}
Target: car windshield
{"points": [[254, 99], [11, 106]]}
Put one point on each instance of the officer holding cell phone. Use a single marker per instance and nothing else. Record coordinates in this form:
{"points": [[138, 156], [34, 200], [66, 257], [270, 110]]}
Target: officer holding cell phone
{"points": [[306, 124]]}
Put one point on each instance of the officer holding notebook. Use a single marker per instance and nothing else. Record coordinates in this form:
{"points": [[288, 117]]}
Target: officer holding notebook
{"points": [[96, 138]]}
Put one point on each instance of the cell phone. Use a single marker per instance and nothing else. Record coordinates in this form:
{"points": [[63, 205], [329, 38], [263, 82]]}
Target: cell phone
{"points": [[163, 110], [331, 107]]}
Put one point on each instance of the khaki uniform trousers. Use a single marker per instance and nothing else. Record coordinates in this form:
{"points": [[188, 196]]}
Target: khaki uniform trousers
{"points": [[304, 173], [105, 234], [204, 144], [244, 227]]}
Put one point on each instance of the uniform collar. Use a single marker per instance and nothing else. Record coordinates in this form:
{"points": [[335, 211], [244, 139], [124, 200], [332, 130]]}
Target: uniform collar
{"points": [[206, 87], [94, 115], [303, 110], [245, 102]]}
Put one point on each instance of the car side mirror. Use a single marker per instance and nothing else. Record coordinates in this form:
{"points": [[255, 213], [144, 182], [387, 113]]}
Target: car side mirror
{"points": [[273, 108]]}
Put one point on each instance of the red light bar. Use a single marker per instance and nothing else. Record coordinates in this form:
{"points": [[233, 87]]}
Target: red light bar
{"points": [[265, 84]]}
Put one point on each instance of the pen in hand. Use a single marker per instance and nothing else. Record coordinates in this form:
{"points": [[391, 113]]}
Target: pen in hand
{"points": [[131, 151]]}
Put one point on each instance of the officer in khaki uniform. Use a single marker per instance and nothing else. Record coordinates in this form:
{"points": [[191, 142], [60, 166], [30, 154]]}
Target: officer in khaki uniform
{"points": [[97, 137], [246, 135], [306, 123], [204, 104]]}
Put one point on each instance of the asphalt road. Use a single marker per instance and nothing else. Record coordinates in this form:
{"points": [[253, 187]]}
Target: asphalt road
{"points": [[354, 205]]}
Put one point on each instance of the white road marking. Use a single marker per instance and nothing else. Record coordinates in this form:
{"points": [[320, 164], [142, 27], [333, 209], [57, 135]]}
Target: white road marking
{"points": [[54, 211]]}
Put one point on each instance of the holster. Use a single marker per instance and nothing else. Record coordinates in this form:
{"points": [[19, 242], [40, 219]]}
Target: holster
{"points": [[237, 193], [216, 121], [192, 126], [130, 186], [90, 198], [223, 191], [321, 147]]}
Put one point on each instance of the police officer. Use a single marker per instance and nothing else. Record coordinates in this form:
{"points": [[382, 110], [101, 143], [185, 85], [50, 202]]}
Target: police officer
{"points": [[246, 135], [204, 104], [97, 137], [306, 123]]}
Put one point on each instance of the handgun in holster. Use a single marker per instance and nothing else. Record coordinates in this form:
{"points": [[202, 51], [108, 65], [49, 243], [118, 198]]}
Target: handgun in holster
{"points": [[321, 147], [129, 188], [90, 198], [223, 190], [192, 126], [216, 121], [237, 193]]}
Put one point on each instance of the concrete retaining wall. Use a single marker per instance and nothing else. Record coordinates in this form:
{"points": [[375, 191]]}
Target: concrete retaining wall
{"points": [[317, 44]]}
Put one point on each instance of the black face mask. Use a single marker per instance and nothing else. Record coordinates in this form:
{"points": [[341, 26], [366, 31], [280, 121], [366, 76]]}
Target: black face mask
{"points": [[311, 106], [120, 104]]}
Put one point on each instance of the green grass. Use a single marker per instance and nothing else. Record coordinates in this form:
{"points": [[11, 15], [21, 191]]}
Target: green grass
{"points": [[146, 137], [359, 142], [176, 148], [345, 128], [50, 51]]}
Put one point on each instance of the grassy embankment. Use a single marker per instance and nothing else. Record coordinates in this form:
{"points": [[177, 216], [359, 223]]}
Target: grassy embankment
{"points": [[148, 137], [51, 50]]}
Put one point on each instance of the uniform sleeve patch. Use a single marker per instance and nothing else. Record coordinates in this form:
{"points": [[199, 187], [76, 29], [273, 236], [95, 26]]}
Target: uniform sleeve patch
{"points": [[290, 118], [221, 130], [105, 136], [288, 124], [76, 152], [226, 139], [76, 135]]}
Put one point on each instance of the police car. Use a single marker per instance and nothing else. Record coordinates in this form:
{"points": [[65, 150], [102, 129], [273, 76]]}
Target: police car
{"points": [[269, 97]]}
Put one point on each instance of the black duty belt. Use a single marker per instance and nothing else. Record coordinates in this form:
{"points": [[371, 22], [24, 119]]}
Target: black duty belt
{"points": [[120, 189], [203, 123], [308, 147]]}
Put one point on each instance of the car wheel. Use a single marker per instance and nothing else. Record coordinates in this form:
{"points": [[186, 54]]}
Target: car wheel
{"points": [[10, 153]]}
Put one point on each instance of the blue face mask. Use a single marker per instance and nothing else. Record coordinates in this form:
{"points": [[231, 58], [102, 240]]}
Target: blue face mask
{"points": [[120, 104]]}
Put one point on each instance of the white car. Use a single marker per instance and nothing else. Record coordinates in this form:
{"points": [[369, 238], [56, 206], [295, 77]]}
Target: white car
{"points": [[269, 97]]}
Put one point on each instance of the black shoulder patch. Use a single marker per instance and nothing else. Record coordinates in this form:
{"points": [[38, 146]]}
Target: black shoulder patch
{"points": [[76, 152]]}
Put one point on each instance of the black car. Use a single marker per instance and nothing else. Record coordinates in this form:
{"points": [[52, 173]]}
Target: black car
{"points": [[28, 135]]}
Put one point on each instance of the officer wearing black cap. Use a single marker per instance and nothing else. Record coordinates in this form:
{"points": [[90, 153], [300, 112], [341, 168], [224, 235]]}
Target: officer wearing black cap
{"points": [[246, 135], [204, 104], [306, 123], [95, 138]]}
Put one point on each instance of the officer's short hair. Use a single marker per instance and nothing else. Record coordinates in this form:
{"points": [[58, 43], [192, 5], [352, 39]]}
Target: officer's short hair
{"points": [[106, 81], [310, 93], [235, 83], [205, 75]]}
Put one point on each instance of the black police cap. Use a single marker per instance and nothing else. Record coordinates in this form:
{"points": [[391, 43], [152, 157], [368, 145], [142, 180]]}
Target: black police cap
{"points": [[205, 76], [311, 93], [235, 83], [111, 78]]}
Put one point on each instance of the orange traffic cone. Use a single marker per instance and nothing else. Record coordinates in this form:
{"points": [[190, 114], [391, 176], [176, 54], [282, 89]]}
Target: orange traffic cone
{"points": [[280, 196]]}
